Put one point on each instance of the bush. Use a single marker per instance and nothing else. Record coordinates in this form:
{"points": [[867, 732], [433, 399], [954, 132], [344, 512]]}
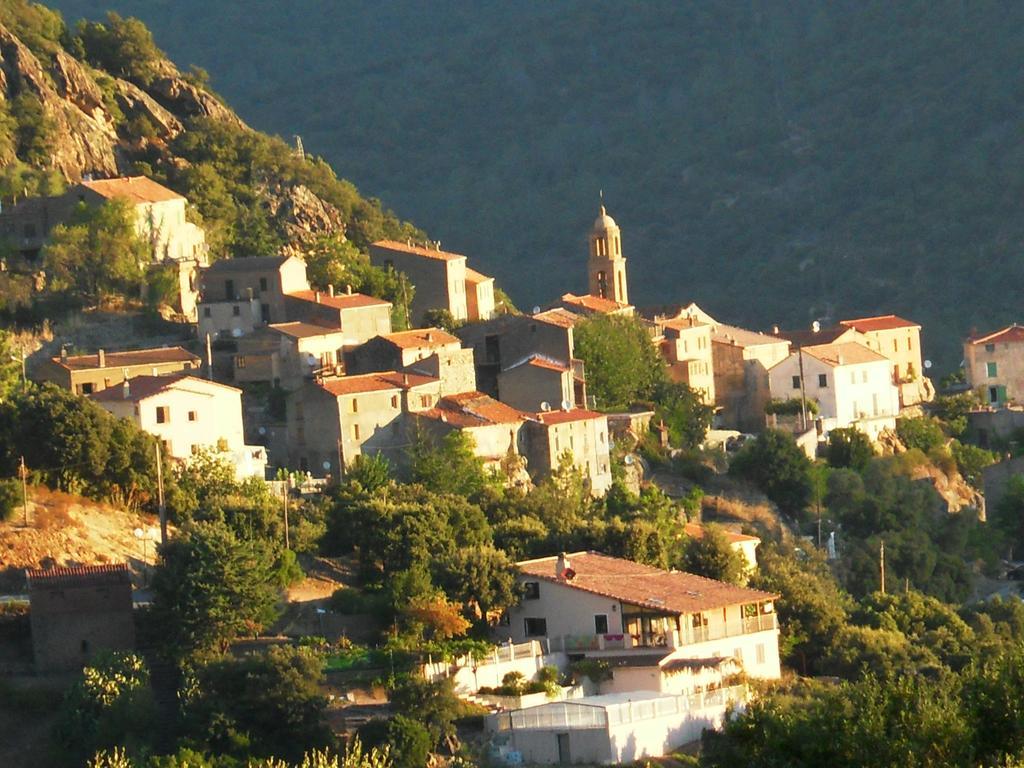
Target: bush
{"points": [[921, 432], [10, 499], [791, 407]]}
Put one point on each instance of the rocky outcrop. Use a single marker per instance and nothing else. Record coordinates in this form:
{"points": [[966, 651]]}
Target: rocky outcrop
{"points": [[188, 100], [133, 101], [302, 215], [75, 85]]}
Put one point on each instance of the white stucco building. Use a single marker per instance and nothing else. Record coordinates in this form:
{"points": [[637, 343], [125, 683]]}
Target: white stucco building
{"points": [[853, 386], [188, 414]]}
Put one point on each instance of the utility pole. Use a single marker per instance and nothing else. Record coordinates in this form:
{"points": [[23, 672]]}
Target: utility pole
{"points": [[161, 507], [287, 542], [881, 563], [24, 489], [209, 358]]}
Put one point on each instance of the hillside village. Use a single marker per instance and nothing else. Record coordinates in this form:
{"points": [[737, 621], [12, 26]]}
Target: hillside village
{"points": [[377, 506]]}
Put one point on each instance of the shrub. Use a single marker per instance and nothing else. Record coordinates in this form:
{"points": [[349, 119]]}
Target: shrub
{"points": [[10, 498], [921, 432], [791, 407]]}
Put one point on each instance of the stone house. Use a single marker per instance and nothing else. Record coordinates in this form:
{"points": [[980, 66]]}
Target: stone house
{"points": [[592, 305], [497, 430], [426, 351], [360, 317], [77, 612], [685, 345], [188, 414], [899, 340], [852, 385], [739, 542], [479, 296], [266, 279], [230, 319], [331, 421], [538, 382], [439, 277], [741, 360], [581, 434], [88, 374], [994, 364], [286, 354]]}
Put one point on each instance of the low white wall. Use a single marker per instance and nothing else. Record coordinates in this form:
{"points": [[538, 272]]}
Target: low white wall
{"points": [[469, 676]]}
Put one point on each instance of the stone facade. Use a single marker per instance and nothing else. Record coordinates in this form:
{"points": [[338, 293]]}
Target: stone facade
{"points": [[87, 374], [994, 364], [439, 277]]}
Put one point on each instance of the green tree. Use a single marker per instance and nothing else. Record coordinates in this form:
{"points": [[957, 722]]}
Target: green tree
{"points": [[409, 742], [123, 47], [849, 448], [776, 464], [97, 254], [449, 465], [971, 461], [713, 557], [684, 413], [260, 705], [921, 432], [209, 588], [35, 132], [10, 369], [620, 359]]}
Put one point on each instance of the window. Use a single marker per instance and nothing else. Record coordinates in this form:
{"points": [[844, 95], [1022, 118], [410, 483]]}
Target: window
{"points": [[239, 361], [263, 283], [87, 388], [895, 346], [601, 624], [194, 448], [163, 414], [236, 310], [737, 654], [864, 377], [990, 347], [992, 370], [425, 401], [760, 653], [796, 382], [531, 590], [535, 627], [207, 312], [822, 380], [229, 289], [910, 343], [394, 401], [355, 431], [355, 405], [853, 377]]}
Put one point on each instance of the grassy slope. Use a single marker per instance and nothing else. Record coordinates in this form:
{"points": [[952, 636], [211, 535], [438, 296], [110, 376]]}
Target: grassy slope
{"points": [[812, 159]]}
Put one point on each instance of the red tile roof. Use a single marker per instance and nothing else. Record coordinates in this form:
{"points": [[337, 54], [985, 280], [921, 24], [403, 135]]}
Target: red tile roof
{"points": [[1010, 334], [643, 585], [563, 318], [592, 303], [683, 323], [474, 409], [303, 330], [142, 387], [422, 337], [696, 531], [135, 189], [418, 250], [374, 382], [79, 576], [879, 323], [564, 417], [472, 276], [339, 301], [846, 353], [129, 358], [810, 338], [540, 361]]}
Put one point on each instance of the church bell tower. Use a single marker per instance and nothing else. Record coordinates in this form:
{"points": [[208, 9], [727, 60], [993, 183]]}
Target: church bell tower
{"points": [[607, 266]]}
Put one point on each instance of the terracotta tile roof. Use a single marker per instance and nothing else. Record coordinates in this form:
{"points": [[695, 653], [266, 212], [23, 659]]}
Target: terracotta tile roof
{"points": [[129, 358], [809, 338], [684, 323], [474, 409], [879, 323], [472, 276], [592, 303], [299, 330], [339, 301], [696, 531], [247, 264], [422, 337], [550, 418], [374, 382], [418, 250], [643, 585], [79, 576], [847, 353], [563, 318], [1010, 334], [741, 337], [135, 189], [142, 387], [540, 361]]}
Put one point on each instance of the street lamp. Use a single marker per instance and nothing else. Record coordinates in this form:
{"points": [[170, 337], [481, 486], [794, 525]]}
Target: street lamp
{"points": [[141, 535]]}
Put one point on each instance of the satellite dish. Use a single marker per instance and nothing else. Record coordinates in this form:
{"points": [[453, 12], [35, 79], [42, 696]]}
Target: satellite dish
{"points": [[262, 430], [545, 406], [536, 310], [566, 405], [326, 465], [816, 327], [927, 363], [627, 460], [311, 359], [236, 332]]}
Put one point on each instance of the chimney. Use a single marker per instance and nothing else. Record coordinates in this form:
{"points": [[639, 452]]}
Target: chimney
{"points": [[63, 353], [562, 565], [775, 330], [101, 357], [839, 358], [405, 379], [126, 390], [348, 290], [430, 336], [316, 296], [330, 290]]}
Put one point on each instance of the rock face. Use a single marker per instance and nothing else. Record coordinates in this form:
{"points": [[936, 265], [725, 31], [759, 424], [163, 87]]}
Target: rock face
{"points": [[302, 215]]}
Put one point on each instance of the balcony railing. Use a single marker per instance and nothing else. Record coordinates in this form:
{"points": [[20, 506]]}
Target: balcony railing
{"points": [[671, 639]]}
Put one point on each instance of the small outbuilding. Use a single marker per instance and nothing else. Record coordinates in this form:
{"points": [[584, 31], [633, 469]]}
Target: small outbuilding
{"points": [[78, 611]]}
